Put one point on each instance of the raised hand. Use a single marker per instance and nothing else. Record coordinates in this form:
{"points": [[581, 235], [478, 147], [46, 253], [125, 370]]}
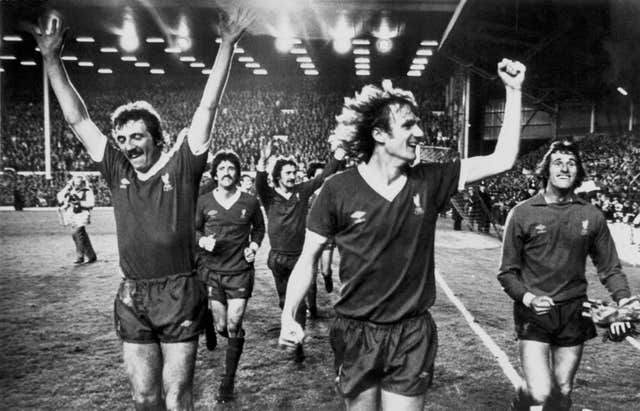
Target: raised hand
{"points": [[233, 24], [49, 34], [511, 73]]}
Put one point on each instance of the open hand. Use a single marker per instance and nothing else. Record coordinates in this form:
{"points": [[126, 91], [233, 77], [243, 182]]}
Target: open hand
{"points": [[233, 24]]}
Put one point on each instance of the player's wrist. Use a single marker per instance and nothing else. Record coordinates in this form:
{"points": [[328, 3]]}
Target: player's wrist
{"points": [[253, 246], [527, 298]]}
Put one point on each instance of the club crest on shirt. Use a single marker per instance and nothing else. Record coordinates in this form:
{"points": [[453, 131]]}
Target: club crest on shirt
{"points": [[124, 183], [357, 217], [243, 213], [541, 229], [585, 227], [212, 213], [417, 210], [166, 182]]}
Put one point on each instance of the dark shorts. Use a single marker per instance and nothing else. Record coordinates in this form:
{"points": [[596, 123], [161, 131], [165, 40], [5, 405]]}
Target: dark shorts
{"points": [[224, 286], [164, 310], [397, 357], [563, 326], [281, 266]]}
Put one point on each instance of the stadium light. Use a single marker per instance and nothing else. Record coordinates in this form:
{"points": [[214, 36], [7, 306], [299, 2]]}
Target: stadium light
{"points": [[260, 72], [197, 65], [360, 42], [424, 52], [245, 59], [384, 45], [362, 60], [108, 50], [85, 39], [206, 71], [28, 63], [385, 31], [238, 50], [105, 71], [361, 51], [142, 64], [420, 60], [417, 67], [69, 58], [129, 40], [341, 45], [307, 66], [8, 57], [303, 59], [154, 40], [298, 50], [311, 72], [156, 71], [187, 59], [11, 38], [85, 64], [622, 91], [362, 72], [128, 58], [1, 70], [252, 65], [414, 73], [172, 50], [429, 43], [363, 66]]}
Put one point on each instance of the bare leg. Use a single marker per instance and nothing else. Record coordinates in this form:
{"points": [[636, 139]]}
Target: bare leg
{"points": [[177, 374], [143, 364], [368, 400]]}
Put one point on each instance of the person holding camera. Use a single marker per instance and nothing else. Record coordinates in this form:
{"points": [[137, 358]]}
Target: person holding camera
{"points": [[76, 201]]}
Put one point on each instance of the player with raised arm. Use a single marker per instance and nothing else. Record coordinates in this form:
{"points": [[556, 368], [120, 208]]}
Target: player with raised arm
{"points": [[382, 215], [160, 302], [287, 206]]}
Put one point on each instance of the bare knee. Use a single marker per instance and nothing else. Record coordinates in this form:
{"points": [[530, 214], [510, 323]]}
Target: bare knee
{"points": [[148, 400], [178, 398], [565, 388], [539, 394], [233, 327]]}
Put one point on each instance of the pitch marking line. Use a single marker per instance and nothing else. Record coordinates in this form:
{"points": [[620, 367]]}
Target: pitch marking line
{"points": [[500, 355]]}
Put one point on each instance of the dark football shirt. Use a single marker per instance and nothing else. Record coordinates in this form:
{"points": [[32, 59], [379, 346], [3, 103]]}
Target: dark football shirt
{"points": [[233, 228], [386, 247], [154, 218]]}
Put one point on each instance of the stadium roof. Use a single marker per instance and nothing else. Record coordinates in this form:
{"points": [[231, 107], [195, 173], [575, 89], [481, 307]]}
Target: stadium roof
{"points": [[574, 49]]}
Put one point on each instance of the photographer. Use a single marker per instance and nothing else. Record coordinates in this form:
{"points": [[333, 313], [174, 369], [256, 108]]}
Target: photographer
{"points": [[76, 200]]}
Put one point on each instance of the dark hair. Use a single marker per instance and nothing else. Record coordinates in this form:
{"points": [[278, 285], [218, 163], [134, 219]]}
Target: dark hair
{"points": [[139, 110], [367, 110], [313, 167], [225, 155], [277, 168], [565, 147]]}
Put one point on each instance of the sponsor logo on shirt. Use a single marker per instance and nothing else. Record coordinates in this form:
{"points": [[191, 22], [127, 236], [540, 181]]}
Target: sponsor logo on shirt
{"points": [[357, 217], [417, 210], [167, 182], [585, 227], [541, 229], [124, 183]]}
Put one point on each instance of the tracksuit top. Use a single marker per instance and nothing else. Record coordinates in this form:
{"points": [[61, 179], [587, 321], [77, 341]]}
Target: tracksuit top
{"points": [[546, 247]]}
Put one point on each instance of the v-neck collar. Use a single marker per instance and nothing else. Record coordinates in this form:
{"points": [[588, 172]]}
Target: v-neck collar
{"points": [[226, 203], [387, 191]]}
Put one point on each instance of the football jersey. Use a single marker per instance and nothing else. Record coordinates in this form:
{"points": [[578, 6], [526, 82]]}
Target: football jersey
{"points": [[233, 228], [154, 218], [386, 247]]}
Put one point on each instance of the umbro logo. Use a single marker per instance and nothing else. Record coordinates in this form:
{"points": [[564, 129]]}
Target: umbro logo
{"points": [[357, 217], [212, 213], [166, 181], [124, 183], [541, 229]]}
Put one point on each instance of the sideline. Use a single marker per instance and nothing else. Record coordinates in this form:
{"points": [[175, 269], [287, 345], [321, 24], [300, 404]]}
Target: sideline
{"points": [[501, 357]]}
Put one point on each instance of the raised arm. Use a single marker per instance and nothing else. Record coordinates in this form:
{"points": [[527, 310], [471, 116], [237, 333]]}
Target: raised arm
{"points": [[504, 156], [50, 38], [231, 28]]}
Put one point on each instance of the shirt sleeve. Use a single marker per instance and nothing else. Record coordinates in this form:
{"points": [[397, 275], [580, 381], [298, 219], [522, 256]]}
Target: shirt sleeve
{"points": [[605, 258], [262, 188], [322, 219], [257, 224], [199, 221], [509, 274], [113, 161], [443, 180]]}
